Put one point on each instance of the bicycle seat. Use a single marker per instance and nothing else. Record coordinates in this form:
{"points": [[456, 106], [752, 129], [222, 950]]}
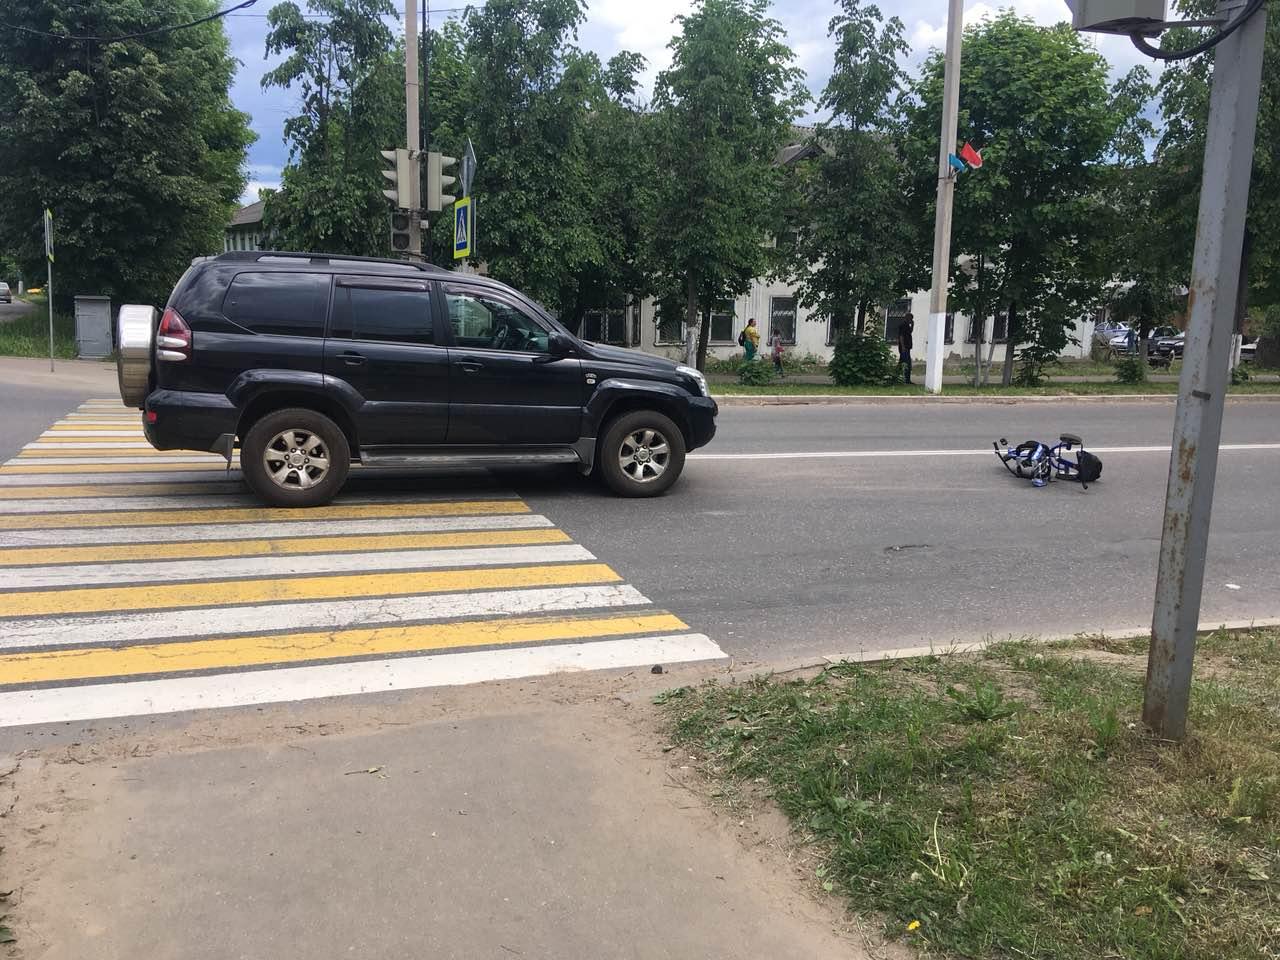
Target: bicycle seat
{"points": [[1072, 439]]}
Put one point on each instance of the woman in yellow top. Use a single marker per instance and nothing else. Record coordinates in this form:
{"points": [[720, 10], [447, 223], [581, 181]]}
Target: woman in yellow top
{"points": [[750, 339]]}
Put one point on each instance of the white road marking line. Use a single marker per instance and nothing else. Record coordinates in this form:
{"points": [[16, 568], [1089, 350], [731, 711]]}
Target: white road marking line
{"points": [[857, 454], [91, 445], [75, 431], [239, 568], [64, 479], [329, 614], [280, 528], [22, 708]]}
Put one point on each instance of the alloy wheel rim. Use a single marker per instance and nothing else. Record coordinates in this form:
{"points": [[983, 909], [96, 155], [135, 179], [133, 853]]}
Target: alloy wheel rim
{"points": [[296, 459], [644, 455]]}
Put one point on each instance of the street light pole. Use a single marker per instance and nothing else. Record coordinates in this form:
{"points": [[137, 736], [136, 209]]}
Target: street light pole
{"points": [[946, 193], [1197, 428], [411, 124]]}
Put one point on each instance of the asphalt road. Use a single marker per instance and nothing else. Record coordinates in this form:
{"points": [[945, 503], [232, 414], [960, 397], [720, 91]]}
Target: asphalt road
{"points": [[777, 556], [783, 557]]}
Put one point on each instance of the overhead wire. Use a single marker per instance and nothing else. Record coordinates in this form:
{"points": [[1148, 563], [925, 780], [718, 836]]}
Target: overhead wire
{"points": [[138, 35], [1208, 43]]}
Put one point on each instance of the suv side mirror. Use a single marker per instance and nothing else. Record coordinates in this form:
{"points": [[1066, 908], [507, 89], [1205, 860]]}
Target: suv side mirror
{"points": [[559, 346]]}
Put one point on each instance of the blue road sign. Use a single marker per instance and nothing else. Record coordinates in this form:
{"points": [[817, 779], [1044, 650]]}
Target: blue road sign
{"points": [[464, 227]]}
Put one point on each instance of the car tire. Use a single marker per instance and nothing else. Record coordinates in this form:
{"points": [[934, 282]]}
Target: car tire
{"points": [[641, 454], [278, 456]]}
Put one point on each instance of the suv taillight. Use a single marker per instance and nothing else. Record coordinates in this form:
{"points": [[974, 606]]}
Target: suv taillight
{"points": [[173, 339]]}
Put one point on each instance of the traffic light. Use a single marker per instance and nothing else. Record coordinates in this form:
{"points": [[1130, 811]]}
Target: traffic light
{"points": [[400, 173], [401, 230], [438, 180]]}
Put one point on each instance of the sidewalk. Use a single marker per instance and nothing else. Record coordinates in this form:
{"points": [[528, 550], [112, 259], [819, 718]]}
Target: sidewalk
{"points": [[96, 375], [536, 820]]}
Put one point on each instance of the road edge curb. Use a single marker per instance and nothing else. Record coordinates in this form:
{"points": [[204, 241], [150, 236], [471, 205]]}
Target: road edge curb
{"points": [[836, 399]]}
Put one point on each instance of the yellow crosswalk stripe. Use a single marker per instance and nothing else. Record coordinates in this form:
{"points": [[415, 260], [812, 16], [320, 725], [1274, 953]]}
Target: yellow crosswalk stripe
{"points": [[92, 428], [78, 441], [114, 491], [355, 511], [124, 552], [97, 452], [160, 596], [240, 652], [35, 467]]}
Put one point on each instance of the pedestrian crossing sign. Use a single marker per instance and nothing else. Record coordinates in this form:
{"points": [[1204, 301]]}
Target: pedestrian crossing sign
{"points": [[464, 227]]}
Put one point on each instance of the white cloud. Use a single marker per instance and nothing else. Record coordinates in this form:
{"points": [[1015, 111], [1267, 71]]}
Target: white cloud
{"points": [[250, 194]]}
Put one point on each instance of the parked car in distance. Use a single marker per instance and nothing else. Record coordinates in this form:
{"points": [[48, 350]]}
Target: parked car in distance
{"points": [[6, 296], [1249, 350], [310, 362], [1173, 345]]}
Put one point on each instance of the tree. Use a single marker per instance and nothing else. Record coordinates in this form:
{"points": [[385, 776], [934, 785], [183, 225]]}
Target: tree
{"points": [[1184, 103], [133, 144], [855, 235], [1036, 100], [726, 105], [349, 73]]}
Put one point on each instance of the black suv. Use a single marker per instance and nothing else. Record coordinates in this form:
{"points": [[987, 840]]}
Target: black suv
{"points": [[309, 362]]}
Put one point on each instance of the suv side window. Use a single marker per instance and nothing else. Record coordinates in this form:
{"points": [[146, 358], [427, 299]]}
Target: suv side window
{"points": [[486, 322], [388, 312], [284, 304]]}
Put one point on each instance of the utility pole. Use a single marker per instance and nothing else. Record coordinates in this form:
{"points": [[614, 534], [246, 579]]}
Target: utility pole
{"points": [[946, 193], [411, 125], [1197, 428]]}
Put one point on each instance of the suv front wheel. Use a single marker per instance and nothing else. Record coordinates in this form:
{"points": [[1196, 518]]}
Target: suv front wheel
{"points": [[295, 458], [642, 454]]}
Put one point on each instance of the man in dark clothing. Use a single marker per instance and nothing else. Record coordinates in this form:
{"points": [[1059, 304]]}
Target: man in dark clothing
{"points": [[905, 344]]}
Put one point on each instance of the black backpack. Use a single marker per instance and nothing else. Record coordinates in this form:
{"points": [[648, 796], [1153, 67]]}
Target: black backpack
{"points": [[1090, 468], [742, 338]]}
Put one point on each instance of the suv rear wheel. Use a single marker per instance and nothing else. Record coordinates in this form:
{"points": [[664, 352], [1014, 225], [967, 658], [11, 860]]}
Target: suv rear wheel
{"points": [[295, 458], [642, 454]]}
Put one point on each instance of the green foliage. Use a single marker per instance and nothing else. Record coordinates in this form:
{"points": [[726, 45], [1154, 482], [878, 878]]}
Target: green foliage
{"points": [[1036, 101], [1239, 375], [1130, 370], [133, 144], [341, 58], [985, 702], [1184, 105], [27, 334], [1031, 816], [861, 360], [755, 373], [854, 232], [725, 106]]}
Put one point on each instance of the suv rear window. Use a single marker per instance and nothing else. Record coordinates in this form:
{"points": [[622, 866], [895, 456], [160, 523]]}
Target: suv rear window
{"points": [[284, 304]]}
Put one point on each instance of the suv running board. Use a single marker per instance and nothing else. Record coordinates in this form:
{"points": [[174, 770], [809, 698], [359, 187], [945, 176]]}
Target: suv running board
{"points": [[455, 457]]}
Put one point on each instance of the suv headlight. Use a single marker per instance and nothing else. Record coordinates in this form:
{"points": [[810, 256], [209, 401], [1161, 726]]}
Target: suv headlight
{"points": [[696, 376]]}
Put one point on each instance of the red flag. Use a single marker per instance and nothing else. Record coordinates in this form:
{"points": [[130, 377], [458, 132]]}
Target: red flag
{"points": [[971, 156]]}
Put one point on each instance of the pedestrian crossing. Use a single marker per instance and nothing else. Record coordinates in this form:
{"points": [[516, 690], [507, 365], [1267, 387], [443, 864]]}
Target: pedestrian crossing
{"points": [[135, 581]]}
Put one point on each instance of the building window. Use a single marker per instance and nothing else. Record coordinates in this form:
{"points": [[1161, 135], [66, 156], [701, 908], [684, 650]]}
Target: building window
{"points": [[1000, 329], [893, 317], [670, 319], [635, 324], [722, 322], [605, 326], [782, 318], [977, 330], [949, 331]]}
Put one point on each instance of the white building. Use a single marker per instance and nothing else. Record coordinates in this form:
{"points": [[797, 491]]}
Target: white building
{"points": [[647, 326]]}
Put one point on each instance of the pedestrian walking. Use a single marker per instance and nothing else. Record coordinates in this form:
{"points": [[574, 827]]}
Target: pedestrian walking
{"points": [[776, 350], [751, 340], [905, 343]]}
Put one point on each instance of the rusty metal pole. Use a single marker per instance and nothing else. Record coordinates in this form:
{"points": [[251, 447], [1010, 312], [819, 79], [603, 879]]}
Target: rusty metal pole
{"points": [[1197, 427]]}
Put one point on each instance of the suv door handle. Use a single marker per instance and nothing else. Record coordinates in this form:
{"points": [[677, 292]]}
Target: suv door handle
{"points": [[470, 366], [352, 359]]}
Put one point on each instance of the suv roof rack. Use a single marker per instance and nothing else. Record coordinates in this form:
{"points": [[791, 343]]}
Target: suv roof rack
{"points": [[327, 258]]}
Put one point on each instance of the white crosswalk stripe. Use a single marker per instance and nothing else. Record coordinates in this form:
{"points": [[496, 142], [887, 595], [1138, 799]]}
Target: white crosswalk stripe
{"points": [[135, 581]]}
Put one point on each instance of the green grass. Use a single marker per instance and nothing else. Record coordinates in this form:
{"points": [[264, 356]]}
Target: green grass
{"points": [[1010, 804], [900, 389], [27, 335]]}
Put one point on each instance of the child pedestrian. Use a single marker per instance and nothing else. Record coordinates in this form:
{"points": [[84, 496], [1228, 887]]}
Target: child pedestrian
{"points": [[776, 350]]}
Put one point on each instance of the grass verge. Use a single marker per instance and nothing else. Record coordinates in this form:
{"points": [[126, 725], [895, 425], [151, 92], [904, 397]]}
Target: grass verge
{"points": [[1010, 804], [27, 335], [916, 390]]}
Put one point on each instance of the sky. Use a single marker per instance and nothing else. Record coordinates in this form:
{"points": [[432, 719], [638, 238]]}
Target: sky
{"points": [[644, 26]]}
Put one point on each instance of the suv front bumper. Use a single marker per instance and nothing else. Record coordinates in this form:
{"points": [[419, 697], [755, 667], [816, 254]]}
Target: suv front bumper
{"points": [[185, 420], [702, 421]]}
